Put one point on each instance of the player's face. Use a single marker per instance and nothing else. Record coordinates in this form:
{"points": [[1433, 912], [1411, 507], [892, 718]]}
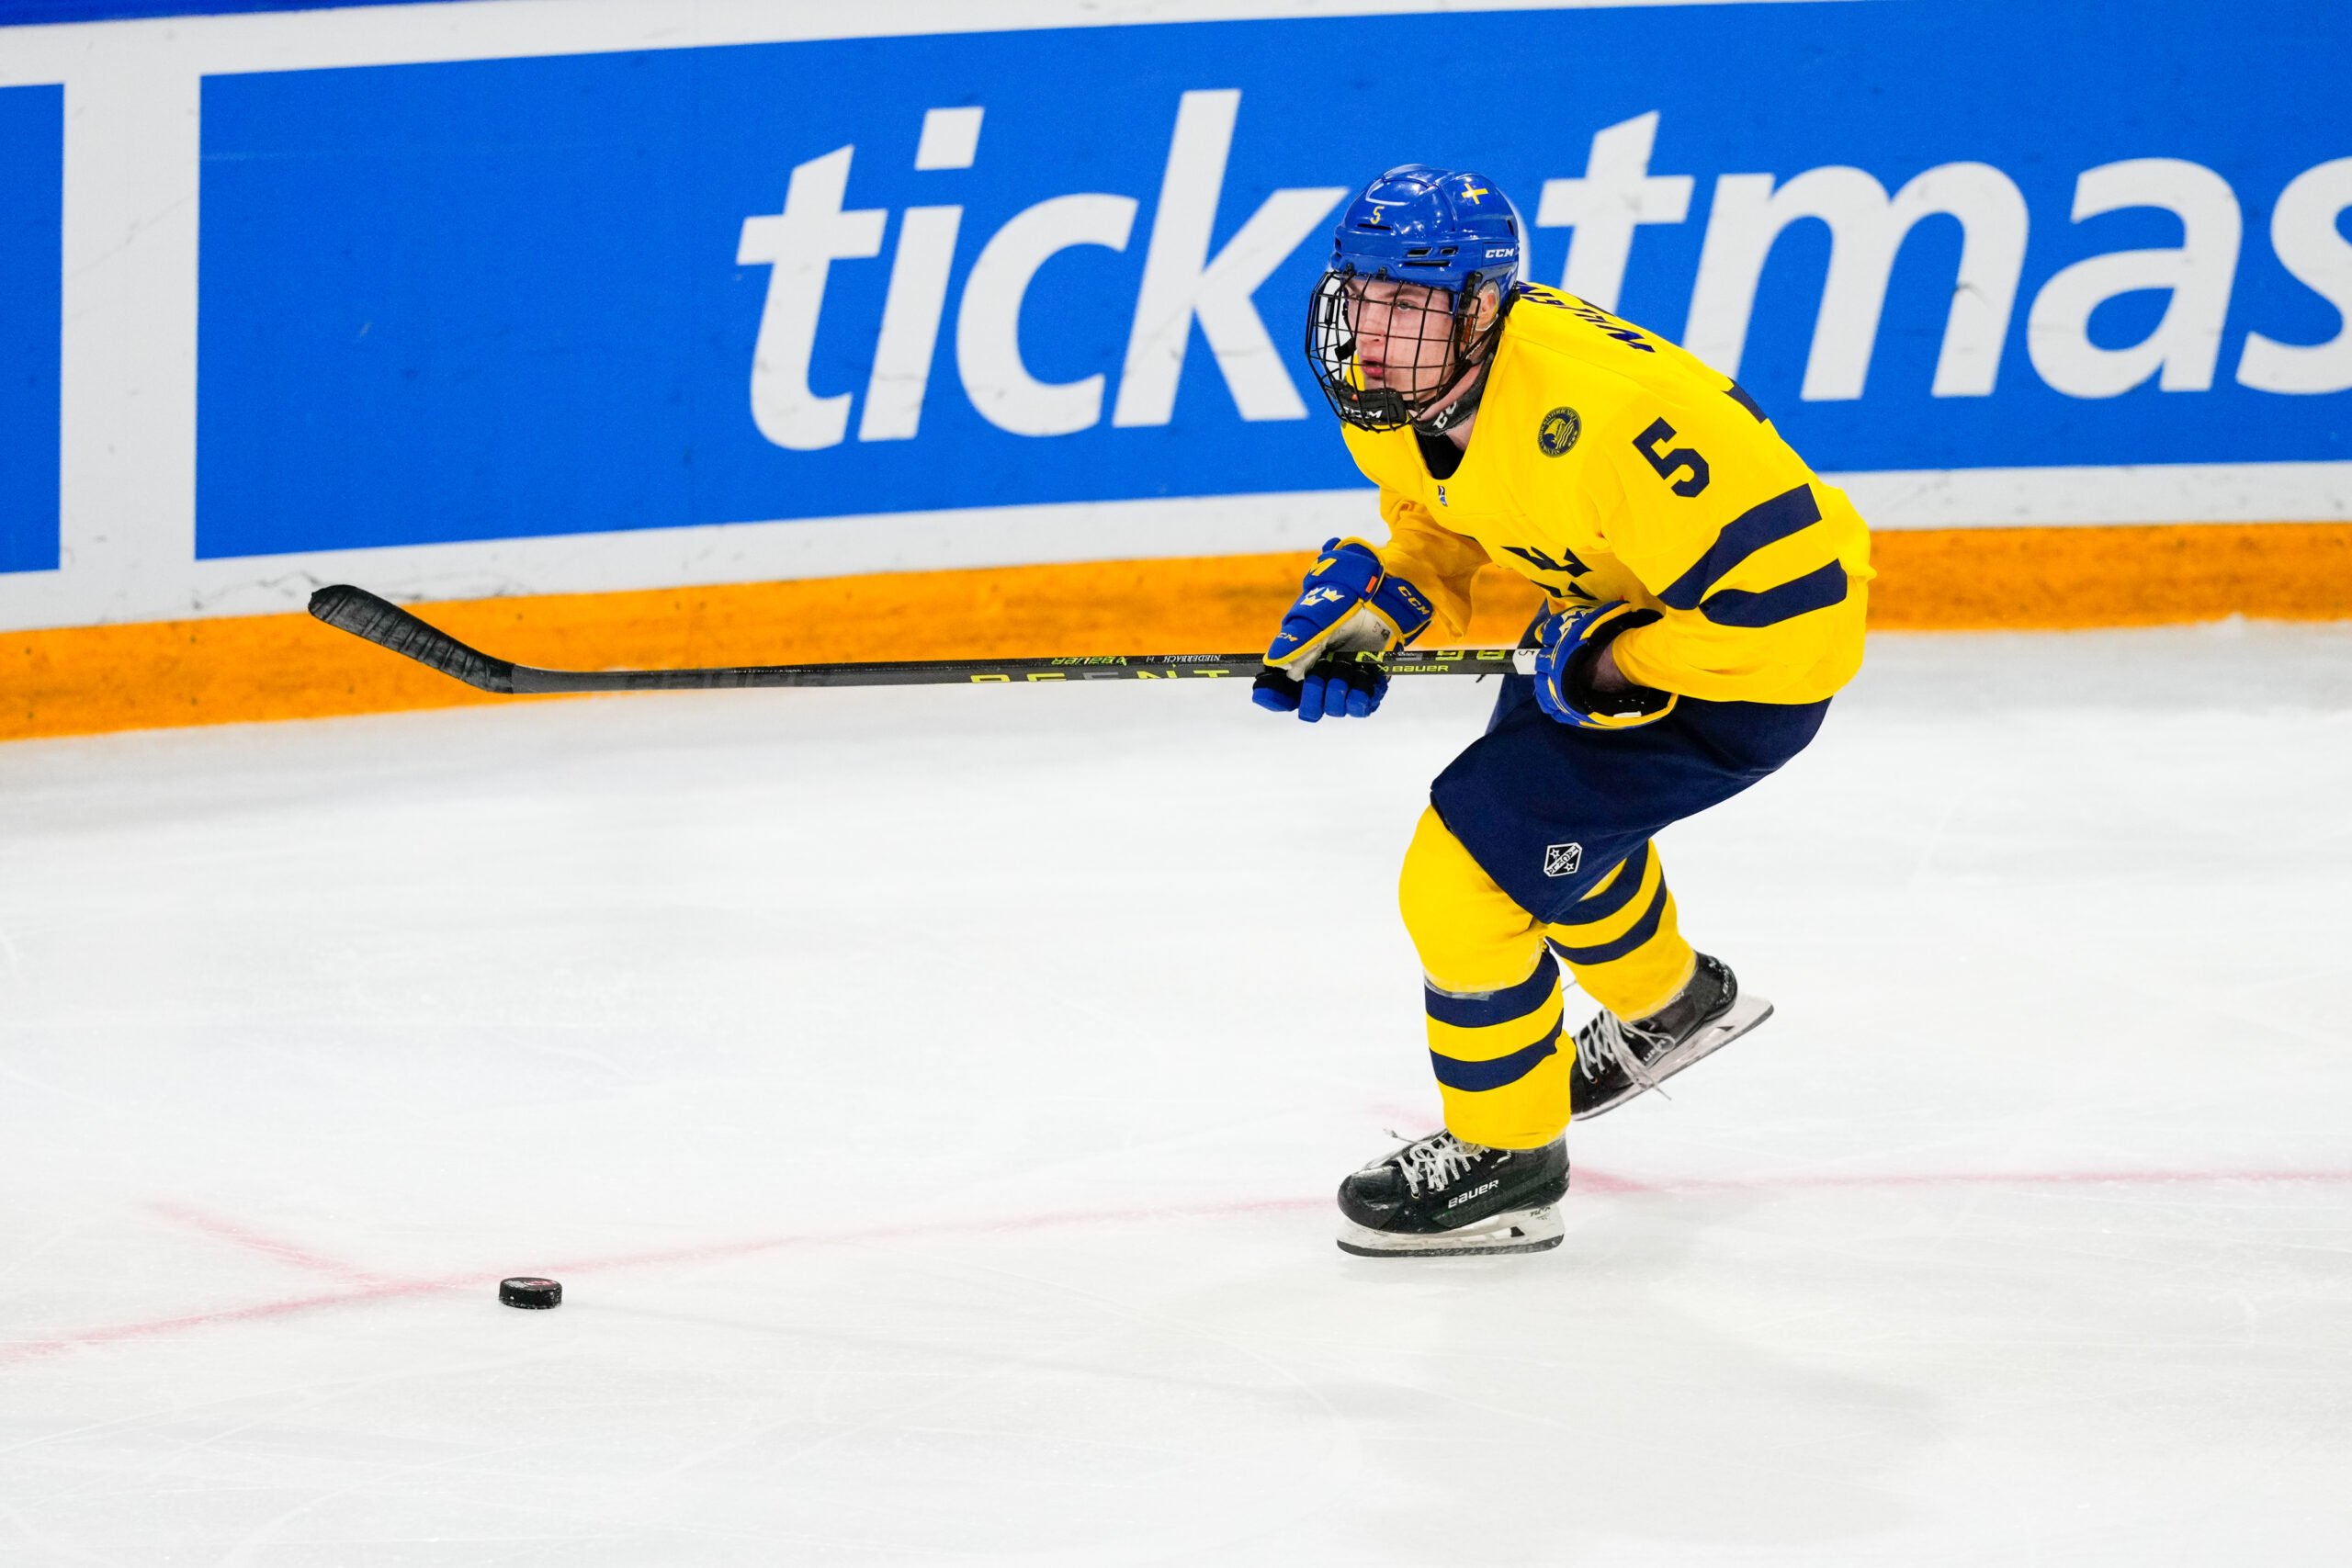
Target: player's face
{"points": [[1404, 334]]}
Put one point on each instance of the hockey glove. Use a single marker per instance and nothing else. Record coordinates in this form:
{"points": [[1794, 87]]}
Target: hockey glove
{"points": [[1348, 605], [1564, 671]]}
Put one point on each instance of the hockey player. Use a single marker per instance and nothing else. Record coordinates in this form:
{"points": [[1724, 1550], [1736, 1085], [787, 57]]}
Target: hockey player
{"points": [[1705, 599]]}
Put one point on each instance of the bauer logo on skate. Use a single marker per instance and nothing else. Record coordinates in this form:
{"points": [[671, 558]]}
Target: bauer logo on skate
{"points": [[1478, 1191], [560, 291]]}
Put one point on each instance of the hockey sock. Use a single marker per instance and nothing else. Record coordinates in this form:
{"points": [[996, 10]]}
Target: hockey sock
{"points": [[1624, 944], [1492, 995]]}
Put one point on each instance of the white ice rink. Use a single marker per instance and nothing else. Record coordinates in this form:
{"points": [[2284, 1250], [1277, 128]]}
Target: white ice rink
{"points": [[931, 1101]]}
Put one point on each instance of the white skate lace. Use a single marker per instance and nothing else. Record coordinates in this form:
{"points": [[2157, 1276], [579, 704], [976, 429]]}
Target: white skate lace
{"points": [[1431, 1163], [1609, 1038]]}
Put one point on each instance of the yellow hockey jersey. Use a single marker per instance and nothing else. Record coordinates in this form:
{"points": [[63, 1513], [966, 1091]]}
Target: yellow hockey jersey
{"points": [[1607, 463]]}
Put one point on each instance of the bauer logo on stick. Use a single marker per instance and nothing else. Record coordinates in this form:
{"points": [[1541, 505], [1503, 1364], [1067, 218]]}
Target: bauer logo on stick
{"points": [[1562, 860]]}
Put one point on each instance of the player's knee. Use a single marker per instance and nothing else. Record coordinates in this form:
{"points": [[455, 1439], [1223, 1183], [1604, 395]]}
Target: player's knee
{"points": [[1470, 935]]}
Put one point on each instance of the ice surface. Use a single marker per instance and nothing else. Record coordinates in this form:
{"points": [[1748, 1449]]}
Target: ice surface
{"points": [[930, 1101]]}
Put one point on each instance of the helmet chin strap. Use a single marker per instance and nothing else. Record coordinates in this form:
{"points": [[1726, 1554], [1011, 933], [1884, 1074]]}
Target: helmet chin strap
{"points": [[1456, 405]]}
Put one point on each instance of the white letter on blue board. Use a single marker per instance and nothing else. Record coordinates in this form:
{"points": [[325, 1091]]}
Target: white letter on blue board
{"points": [[1617, 193], [1182, 284], [2199, 276], [2303, 232], [799, 245], [988, 327], [1867, 228], [894, 391]]}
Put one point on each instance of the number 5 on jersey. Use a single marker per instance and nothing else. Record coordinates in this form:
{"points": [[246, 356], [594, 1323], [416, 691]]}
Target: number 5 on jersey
{"points": [[1667, 462]]}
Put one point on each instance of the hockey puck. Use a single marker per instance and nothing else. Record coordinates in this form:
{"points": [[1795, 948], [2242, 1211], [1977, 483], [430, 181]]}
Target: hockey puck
{"points": [[533, 1294]]}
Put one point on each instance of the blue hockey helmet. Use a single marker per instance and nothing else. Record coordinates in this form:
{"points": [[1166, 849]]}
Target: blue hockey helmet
{"points": [[1414, 229]]}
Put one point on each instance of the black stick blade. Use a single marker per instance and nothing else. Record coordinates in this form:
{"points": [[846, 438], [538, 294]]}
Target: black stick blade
{"points": [[360, 613]]}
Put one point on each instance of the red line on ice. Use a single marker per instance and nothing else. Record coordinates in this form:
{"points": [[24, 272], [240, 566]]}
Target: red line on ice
{"points": [[379, 1289], [253, 1241], [2129, 1177]]}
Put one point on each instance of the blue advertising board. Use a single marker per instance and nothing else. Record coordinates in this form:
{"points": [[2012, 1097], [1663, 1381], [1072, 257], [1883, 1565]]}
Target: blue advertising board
{"points": [[32, 161], [34, 12], [523, 297]]}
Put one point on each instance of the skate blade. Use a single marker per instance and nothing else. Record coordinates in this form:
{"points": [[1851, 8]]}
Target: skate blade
{"points": [[1520, 1230], [1745, 1013]]}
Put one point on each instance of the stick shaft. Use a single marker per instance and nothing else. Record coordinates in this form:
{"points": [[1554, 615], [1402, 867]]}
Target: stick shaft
{"points": [[363, 615]]}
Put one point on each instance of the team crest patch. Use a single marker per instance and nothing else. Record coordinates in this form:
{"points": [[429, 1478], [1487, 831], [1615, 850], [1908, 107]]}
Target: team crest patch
{"points": [[1561, 427], [1562, 860]]}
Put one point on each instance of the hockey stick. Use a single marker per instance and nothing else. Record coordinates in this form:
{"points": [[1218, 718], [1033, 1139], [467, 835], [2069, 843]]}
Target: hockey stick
{"points": [[360, 613]]}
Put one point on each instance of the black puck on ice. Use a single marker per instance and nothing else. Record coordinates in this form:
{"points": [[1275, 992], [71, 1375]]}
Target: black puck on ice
{"points": [[531, 1294]]}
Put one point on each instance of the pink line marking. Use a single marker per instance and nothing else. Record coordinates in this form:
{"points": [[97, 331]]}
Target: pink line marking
{"points": [[2124, 1178], [32, 1350], [375, 1288], [1582, 1179], [253, 1241]]}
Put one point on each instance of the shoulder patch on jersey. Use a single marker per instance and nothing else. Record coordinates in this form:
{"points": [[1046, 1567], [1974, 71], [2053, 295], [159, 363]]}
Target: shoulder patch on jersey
{"points": [[1559, 432]]}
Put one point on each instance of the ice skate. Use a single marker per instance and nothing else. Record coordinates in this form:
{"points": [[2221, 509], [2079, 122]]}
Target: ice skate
{"points": [[1618, 1058], [1438, 1197]]}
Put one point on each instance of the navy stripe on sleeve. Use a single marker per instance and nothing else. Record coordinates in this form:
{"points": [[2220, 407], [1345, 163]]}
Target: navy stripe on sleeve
{"points": [[1761, 525], [1640, 932], [1455, 1073], [1814, 591], [1493, 1006]]}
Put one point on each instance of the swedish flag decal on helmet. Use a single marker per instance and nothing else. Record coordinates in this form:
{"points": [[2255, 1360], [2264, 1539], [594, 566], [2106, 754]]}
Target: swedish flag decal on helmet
{"points": [[1420, 224]]}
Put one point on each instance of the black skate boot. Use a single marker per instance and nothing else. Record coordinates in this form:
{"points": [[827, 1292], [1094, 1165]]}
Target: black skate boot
{"points": [[1440, 1197], [1617, 1058]]}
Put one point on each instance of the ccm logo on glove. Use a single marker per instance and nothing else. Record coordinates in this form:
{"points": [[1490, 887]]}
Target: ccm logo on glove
{"points": [[1348, 605]]}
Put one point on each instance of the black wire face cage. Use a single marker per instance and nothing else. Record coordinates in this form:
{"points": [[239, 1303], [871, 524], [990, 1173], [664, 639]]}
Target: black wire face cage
{"points": [[1415, 338]]}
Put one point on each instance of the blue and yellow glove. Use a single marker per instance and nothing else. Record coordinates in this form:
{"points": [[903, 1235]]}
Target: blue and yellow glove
{"points": [[1572, 645], [1348, 605]]}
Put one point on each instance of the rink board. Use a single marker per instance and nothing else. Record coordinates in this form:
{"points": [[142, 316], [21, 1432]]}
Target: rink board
{"points": [[514, 297], [503, 300], [232, 669]]}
